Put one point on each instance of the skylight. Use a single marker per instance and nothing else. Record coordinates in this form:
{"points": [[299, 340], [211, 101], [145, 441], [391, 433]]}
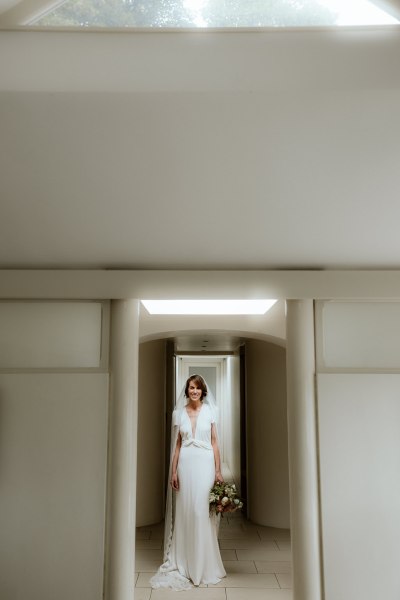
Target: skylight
{"points": [[208, 307], [212, 13]]}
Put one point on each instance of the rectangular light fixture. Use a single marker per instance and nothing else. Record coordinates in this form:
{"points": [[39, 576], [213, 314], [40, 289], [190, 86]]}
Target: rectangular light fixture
{"points": [[208, 307]]}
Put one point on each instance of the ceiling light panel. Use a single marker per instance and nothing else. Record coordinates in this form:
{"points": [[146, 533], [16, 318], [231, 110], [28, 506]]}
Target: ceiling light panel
{"points": [[208, 307]]}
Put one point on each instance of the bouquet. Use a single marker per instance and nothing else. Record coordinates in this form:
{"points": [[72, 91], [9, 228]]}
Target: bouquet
{"points": [[223, 498]]}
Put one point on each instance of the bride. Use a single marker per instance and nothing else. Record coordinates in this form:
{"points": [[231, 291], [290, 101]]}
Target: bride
{"points": [[191, 551]]}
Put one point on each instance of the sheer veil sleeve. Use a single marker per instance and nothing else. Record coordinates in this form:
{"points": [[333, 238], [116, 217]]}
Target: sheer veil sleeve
{"points": [[169, 505]]}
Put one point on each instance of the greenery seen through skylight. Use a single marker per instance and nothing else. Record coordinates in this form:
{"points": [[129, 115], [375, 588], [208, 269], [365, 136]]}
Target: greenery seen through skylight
{"points": [[212, 13]]}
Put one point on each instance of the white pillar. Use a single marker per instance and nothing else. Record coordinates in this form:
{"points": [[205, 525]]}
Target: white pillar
{"points": [[121, 501], [303, 465]]}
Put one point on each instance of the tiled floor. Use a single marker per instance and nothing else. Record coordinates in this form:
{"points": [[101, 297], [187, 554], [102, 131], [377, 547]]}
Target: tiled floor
{"points": [[256, 559]]}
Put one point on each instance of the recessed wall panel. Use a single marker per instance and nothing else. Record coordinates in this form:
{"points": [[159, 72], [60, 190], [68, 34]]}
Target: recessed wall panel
{"points": [[50, 335], [53, 456], [358, 335], [359, 430]]}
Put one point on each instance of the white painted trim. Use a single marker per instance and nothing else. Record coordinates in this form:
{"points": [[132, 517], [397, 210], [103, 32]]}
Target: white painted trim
{"points": [[106, 284], [303, 453], [120, 543]]}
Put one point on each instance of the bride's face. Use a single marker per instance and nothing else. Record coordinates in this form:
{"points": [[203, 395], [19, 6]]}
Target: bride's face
{"points": [[195, 392]]}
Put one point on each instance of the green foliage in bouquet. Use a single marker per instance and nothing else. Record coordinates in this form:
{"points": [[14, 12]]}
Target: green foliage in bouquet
{"points": [[224, 498]]}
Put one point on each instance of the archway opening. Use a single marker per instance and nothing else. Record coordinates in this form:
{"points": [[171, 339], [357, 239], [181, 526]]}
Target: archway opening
{"points": [[256, 456]]}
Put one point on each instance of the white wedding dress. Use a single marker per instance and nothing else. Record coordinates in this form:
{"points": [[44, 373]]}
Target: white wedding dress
{"points": [[193, 556]]}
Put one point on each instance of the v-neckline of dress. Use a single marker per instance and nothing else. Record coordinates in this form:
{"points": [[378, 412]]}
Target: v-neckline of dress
{"points": [[190, 422]]}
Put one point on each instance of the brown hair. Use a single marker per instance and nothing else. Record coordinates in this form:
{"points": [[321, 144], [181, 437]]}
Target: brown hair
{"points": [[199, 381]]}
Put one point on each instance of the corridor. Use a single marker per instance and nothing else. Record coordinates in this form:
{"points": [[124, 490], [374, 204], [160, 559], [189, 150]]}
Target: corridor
{"points": [[257, 562]]}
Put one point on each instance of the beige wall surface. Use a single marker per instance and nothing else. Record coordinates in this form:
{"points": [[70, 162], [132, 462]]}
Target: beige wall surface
{"points": [[53, 446], [267, 437], [358, 335], [232, 417], [50, 335], [151, 433], [358, 417]]}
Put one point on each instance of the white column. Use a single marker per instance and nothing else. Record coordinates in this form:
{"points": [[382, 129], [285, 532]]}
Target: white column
{"points": [[121, 501], [303, 467]]}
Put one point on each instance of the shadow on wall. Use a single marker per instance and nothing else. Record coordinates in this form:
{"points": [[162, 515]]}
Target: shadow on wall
{"points": [[267, 434]]}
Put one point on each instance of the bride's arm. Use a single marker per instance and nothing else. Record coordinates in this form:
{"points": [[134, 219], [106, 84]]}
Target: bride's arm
{"points": [[174, 474], [217, 458]]}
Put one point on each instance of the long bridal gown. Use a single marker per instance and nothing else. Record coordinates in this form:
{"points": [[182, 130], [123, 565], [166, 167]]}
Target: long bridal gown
{"points": [[194, 554]]}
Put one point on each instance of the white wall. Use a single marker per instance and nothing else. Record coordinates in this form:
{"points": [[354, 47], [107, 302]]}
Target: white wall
{"points": [[231, 411], [53, 445], [151, 433], [53, 451], [267, 438], [359, 414]]}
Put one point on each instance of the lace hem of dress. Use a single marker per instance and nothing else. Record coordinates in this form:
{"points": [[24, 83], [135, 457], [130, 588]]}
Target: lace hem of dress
{"points": [[170, 579]]}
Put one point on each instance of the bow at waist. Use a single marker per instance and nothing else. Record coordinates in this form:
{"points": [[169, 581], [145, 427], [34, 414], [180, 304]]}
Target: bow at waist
{"points": [[197, 443]]}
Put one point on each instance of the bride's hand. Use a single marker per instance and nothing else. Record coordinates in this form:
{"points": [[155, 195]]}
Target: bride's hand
{"points": [[218, 477], [175, 482]]}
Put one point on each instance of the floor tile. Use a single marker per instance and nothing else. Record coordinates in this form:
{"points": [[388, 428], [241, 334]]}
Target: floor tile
{"points": [[192, 594], [148, 554], [234, 532], [142, 594], [266, 566], [283, 544], [258, 594], [245, 525], [231, 527], [263, 554], [142, 534], [146, 565], [257, 560], [272, 533], [151, 544], [143, 580], [240, 566], [244, 580], [228, 554], [285, 580], [149, 528], [238, 530], [238, 514], [244, 542], [157, 531]]}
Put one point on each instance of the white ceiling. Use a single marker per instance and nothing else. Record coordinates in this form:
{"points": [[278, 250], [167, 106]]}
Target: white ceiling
{"points": [[267, 150]]}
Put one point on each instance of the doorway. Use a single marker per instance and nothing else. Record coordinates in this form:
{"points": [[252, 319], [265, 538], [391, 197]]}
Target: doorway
{"points": [[222, 374], [250, 388], [300, 368]]}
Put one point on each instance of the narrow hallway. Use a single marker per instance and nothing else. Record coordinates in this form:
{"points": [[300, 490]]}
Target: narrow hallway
{"points": [[257, 559]]}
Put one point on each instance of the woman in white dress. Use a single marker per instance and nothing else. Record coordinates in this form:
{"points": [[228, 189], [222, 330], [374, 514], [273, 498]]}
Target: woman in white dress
{"points": [[191, 551]]}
